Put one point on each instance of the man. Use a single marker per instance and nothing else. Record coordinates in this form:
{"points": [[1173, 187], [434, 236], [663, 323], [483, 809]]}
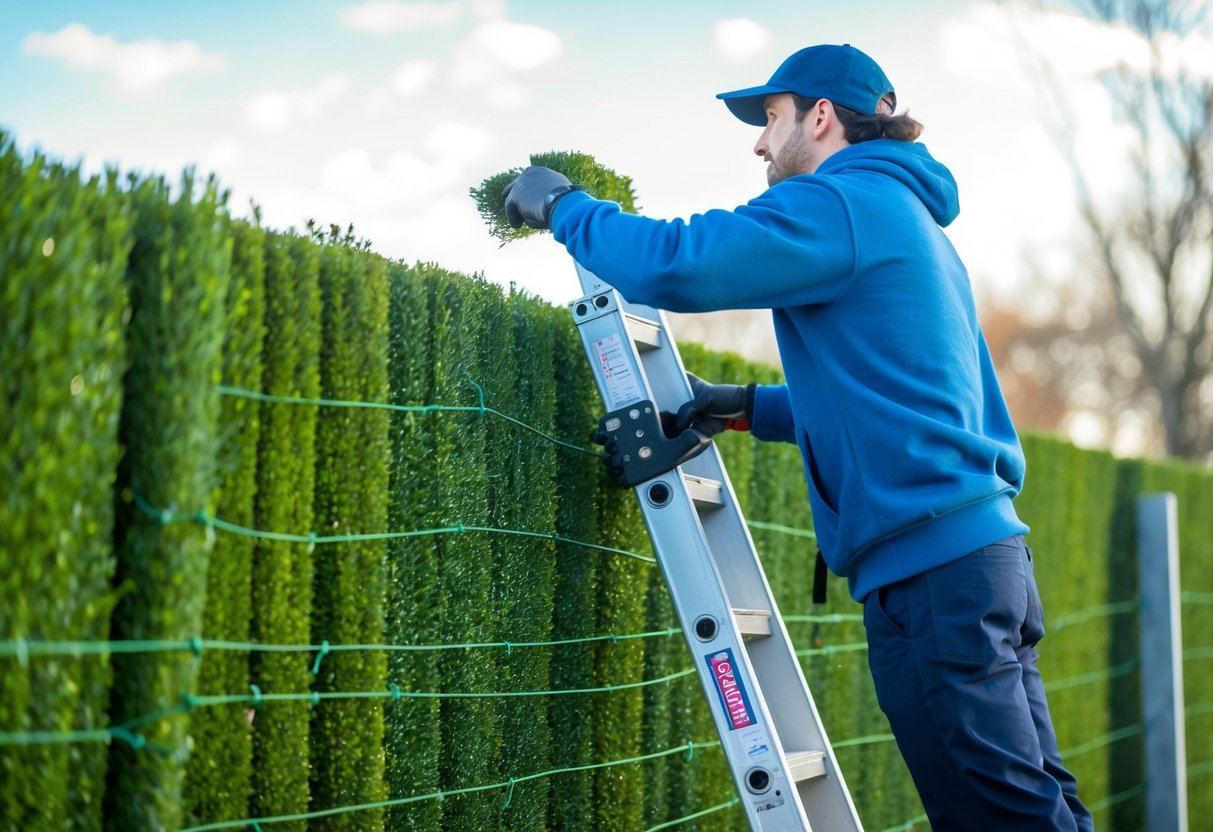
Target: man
{"points": [[910, 455]]}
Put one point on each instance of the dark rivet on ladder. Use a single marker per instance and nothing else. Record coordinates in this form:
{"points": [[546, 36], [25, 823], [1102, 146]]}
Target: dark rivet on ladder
{"points": [[659, 494], [601, 301], [705, 628], [758, 780], [582, 309]]}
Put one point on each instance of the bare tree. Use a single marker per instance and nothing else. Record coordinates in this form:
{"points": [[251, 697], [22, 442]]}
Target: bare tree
{"points": [[1153, 246], [1069, 370]]}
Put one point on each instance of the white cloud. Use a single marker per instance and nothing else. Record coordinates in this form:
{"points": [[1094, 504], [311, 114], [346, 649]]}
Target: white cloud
{"points": [[397, 16], [409, 80], [406, 178], [411, 77], [459, 141], [220, 155], [739, 39], [517, 46], [135, 68], [277, 109], [505, 95], [488, 9], [498, 51]]}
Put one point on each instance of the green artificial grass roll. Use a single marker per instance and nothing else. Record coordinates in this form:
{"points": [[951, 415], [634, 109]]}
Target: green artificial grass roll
{"points": [[580, 168]]}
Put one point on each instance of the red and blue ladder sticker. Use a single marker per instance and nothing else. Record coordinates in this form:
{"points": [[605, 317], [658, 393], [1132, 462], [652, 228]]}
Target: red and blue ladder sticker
{"points": [[731, 689]]}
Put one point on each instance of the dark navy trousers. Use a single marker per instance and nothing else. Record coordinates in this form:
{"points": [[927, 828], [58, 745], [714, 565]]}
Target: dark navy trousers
{"points": [[953, 656]]}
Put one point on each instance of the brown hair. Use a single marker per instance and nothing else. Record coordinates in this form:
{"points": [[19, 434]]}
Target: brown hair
{"points": [[858, 127]]}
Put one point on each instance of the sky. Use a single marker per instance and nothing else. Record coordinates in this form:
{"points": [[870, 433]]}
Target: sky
{"points": [[383, 114]]}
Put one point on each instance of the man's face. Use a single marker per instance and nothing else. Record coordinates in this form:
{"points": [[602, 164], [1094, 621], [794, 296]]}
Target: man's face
{"points": [[782, 143]]}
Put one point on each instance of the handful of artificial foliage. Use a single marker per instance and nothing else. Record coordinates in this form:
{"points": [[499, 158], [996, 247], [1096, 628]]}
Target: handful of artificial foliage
{"points": [[580, 168]]}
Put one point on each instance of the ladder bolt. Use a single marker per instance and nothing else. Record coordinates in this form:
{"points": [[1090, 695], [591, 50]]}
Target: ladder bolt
{"points": [[659, 494], [706, 628], [758, 780]]}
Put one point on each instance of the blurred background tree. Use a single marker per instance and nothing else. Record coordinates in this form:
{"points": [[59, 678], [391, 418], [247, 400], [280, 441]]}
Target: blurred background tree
{"points": [[1130, 342]]}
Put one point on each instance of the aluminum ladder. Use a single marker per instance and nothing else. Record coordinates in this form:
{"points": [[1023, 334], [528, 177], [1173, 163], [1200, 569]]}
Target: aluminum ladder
{"points": [[781, 761]]}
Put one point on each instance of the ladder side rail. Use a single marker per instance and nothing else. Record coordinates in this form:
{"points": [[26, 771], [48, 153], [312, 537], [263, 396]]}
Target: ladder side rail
{"points": [[712, 568], [696, 589], [772, 660]]}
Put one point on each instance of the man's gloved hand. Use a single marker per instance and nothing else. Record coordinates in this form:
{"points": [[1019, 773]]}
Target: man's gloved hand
{"points": [[717, 407], [530, 198]]}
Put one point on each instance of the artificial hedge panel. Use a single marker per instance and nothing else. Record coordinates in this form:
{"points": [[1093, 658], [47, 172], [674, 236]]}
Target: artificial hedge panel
{"points": [[351, 499], [525, 500], [282, 570], [577, 576], [177, 277], [618, 719], [470, 727], [219, 771], [63, 354], [414, 600]]}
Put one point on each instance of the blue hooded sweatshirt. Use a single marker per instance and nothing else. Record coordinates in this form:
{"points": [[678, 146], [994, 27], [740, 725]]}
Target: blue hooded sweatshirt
{"points": [[909, 451]]}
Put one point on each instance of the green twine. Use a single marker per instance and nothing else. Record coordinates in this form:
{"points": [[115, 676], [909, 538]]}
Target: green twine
{"points": [[439, 796], [425, 410], [166, 517]]}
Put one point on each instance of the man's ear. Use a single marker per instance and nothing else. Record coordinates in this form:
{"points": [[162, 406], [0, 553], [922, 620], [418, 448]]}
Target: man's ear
{"points": [[823, 117]]}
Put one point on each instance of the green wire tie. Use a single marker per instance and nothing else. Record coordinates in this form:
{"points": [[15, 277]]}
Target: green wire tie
{"points": [[395, 691], [256, 701], [311, 542], [324, 651], [479, 390], [690, 751], [507, 648], [209, 523], [509, 795], [188, 701], [315, 700], [22, 651]]}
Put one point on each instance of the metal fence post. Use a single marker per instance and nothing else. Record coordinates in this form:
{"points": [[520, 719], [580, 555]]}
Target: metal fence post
{"points": [[1162, 679]]}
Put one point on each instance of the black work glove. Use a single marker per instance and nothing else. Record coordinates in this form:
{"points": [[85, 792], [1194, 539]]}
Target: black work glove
{"points": [[530, 198], [717, 407], [642, 459]]}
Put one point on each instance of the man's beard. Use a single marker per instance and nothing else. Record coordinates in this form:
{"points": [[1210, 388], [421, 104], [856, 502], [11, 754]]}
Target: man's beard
{"points": [[794, 159]]}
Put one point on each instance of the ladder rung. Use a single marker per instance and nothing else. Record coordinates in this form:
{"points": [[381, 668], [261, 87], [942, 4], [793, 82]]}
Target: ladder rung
{"points": [[704, 492], [646, 333], [753, 623], [806, 765]]}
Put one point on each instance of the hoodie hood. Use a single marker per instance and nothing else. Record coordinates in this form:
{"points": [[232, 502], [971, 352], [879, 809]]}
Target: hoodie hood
{"points": [[910, 164]]}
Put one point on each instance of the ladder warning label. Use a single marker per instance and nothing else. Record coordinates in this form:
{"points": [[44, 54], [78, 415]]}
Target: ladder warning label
{"points": [[733, 696], [622, 386], [755, 744]]}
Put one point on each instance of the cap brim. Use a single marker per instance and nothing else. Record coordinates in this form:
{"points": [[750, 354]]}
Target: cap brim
{"points": [[747, 104]]}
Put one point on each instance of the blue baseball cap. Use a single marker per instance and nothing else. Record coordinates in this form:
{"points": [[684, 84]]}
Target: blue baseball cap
{"points": [[841, 74]]}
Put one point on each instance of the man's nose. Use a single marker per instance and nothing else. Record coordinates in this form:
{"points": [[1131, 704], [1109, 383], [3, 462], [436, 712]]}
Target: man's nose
{"points": [[763, 144]]}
